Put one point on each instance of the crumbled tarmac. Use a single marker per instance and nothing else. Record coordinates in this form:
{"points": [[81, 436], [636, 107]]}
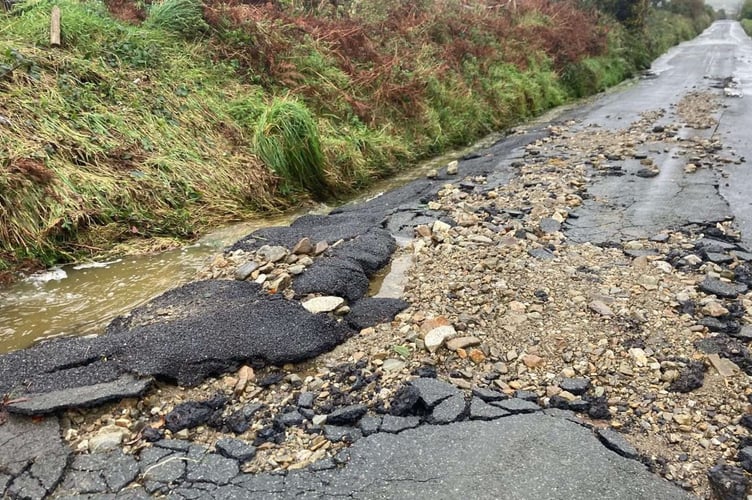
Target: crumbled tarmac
{"points": [[189, 333], [556, 359]]}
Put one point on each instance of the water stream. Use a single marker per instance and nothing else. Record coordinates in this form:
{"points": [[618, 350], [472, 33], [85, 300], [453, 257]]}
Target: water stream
{"points": [[81, 299]]}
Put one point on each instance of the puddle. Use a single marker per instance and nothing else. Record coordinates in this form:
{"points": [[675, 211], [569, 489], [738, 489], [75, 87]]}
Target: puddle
{"points": [[81, 299], [391, 283]]}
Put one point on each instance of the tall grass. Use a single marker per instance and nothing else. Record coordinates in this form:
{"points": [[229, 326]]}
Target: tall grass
{"points": [[211, 113], [125, 133], [288, 142], [184, 17]]}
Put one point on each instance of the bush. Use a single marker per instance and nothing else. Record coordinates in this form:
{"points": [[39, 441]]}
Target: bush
{"points": [[287, 140], [184, 17], [747, 25], [746, 10]]}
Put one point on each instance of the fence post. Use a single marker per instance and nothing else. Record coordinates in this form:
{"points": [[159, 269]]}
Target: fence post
{"points": [[55, 27]]}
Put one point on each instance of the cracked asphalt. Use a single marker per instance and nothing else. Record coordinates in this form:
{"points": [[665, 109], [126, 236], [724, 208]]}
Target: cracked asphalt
{"points": [[522, 456], [637, 207], [538, 455]]}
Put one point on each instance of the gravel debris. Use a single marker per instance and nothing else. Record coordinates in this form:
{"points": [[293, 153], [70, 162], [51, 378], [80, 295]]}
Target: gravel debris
{"points": [[509, 316]]}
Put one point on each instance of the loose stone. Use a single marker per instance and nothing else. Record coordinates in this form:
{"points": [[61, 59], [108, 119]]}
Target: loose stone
{"points": [[576, 386], [452, 167], [436, 337], [244, 271], [348, 415], [323, 304], [304, 246], [462, 343], [272, 253], [601, 308]]}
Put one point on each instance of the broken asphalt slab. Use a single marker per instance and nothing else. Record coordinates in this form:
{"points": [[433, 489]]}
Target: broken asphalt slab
{"points": [[211, 327], [32, 457], [526, 456], [125, 386], [522, 457], [185, 335]]}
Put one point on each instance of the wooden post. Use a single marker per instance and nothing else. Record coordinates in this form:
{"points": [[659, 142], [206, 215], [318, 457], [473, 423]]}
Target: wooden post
{"points": [[55, 27]]}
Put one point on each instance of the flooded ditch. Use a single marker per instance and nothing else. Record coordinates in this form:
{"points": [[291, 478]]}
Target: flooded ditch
{"points": [[80, 299]]}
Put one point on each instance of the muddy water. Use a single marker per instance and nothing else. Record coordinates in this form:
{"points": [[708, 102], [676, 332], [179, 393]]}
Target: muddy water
{"points": [[81, 299]]}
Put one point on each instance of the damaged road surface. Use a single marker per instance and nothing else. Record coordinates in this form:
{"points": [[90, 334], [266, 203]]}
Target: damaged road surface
{"points": [[570, 321], [663, 172], [522, 457]]}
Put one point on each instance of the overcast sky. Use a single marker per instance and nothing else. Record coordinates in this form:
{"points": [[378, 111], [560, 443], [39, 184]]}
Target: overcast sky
{"points": [[728, 5]]}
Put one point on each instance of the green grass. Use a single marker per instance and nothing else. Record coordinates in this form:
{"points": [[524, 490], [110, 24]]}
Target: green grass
{"points": [[129, 128], [168, 128], [287, 140], [745, 16], [747, 25], [184, 17]]}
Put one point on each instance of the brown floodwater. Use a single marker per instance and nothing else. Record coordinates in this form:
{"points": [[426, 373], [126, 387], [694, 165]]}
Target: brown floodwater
{"points": [[81, 299]]}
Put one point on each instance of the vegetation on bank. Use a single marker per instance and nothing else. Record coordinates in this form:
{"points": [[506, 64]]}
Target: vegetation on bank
{"points": [[745, 16], [162, 120]]}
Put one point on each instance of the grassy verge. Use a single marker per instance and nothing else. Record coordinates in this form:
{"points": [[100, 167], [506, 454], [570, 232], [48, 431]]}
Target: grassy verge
{"points": [[747, 25], [745, 16], [159, 123]]}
